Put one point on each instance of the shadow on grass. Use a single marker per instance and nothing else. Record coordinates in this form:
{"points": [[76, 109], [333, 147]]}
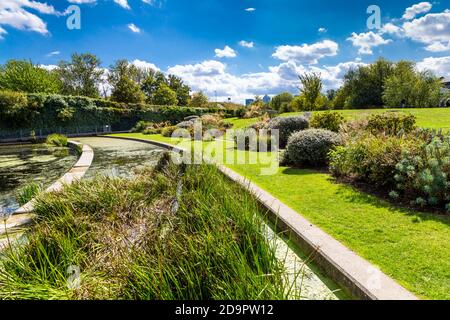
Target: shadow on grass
{"points": [[358, 195]]}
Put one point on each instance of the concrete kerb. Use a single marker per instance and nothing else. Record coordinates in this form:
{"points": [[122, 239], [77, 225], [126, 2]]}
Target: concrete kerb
{"points": [[24, 215], [356, 275]]}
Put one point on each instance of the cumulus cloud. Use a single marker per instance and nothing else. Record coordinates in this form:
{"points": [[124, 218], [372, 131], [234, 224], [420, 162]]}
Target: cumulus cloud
{"points": [[16, 14], [250, 9], [145, 65], [212, 77], [432, 30], [82, 1], [413, 11], [439, 66], [366, 41], [246, 44], [390, 28], [322, 30], [227, 52], [134, 28], [309, 54], [123, 3]]}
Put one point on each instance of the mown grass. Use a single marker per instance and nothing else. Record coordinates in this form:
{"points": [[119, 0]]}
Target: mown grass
{"points": [[139, 239], [434, 118], [411, 247]]}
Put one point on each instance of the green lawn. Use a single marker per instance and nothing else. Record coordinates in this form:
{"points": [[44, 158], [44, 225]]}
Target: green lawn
{"points": [[411, 247], [427, 118]]}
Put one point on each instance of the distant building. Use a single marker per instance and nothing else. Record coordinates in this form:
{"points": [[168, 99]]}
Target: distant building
{"points": [[446, 91], [266, 99], [249, 102]]}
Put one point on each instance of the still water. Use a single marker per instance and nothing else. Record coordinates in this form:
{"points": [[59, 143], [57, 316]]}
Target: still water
{"points": [[23, 164]]}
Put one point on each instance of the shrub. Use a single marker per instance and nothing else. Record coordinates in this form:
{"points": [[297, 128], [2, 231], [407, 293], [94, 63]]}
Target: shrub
{"points": [[56, 139], [168, 131], [425, 175], [287, 126], [10, 101], [370, 159], [310, 147], [391, 123], [327, 120], [252, 141]]}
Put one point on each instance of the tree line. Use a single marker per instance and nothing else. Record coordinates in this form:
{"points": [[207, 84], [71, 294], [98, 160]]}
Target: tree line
{"points": [[83, 76], [380, 84]]}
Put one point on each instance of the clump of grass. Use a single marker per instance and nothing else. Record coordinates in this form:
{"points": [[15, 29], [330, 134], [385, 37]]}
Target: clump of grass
{"points": [[140, 239], [58, 140], [28, 192]]}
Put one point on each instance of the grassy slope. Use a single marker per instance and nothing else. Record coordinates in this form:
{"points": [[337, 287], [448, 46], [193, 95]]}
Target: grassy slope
{"points": [[411, 247], [428, 118]]}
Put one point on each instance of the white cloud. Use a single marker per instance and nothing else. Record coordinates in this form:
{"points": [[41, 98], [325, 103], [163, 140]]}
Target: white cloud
{"points": [[123, 3], [49, 67], [412, 12], [309, 54], [212, 76], [227, 52], [322, 30], [145, 65], [82, 1], [134, 28], [53, 53], [16, 14], [250, 9], [366, 41], [246, 44], [432, 29], [439, 66], [390, 28]]}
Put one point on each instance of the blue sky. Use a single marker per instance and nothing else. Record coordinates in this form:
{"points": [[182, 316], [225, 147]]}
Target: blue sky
{"points": [[235, 48]]}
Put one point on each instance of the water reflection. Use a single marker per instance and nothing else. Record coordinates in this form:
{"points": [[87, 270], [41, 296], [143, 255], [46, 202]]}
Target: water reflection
{"points": [[22, 164]]}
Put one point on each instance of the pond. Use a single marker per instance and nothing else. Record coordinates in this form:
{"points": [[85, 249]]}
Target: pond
{"points": [[23, 164]]}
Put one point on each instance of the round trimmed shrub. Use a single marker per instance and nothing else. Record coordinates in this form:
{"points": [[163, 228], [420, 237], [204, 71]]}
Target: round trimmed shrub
{"points": [[287, 126], [310, 147]]}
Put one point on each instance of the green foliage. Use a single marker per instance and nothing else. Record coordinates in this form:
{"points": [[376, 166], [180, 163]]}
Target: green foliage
{"points": [[425, 174], [81, 76], [56, 139], [370, 159], [28, 192], [123, 77], [168, 131], [164, 95], [11, 101], [311, 91], [391, 123], [310, 147], [408, 88], [282, 102], [199, 100], [327, 120], [24, 76], [287, 126], [363, 87]]}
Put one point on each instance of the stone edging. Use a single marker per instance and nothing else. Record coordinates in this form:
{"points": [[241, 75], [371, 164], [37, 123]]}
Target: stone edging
{"points": [[359, 277], [23, 216]]}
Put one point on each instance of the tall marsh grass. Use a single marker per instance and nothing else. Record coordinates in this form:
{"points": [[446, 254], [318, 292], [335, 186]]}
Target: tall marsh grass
{"points": [[130, 241]]}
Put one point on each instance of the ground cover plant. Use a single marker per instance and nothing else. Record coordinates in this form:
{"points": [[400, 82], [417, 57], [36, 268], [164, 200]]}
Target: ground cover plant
{"points": [[141, 239]]}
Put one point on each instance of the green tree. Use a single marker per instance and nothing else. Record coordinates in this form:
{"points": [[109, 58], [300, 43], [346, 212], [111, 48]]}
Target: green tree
{"points": [[410, 88], [364, 85], [199, 100], [182, 90], [165, 96], [123, 77], [24, 76], [311, 90], [282, 102], [81, 76]]}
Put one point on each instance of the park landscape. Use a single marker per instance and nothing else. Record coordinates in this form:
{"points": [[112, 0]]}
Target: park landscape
{"points": [[127, 183]]}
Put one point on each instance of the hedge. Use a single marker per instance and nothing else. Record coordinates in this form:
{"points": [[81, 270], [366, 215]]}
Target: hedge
{"points": [[56, 113]]}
